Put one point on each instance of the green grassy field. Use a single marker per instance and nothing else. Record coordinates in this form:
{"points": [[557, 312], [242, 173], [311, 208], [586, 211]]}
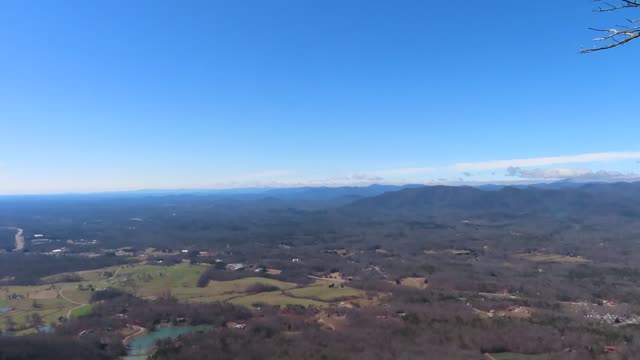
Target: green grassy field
{"points": [[321, 291], [59, 299], [84, 310]]}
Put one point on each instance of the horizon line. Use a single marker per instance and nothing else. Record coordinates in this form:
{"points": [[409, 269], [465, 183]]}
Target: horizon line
{"points": [[258, 189]]}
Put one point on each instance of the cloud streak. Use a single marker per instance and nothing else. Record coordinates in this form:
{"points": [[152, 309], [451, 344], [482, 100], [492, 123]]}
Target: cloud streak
{"points": [[546, 173], [354, 177], [404, 171], [573, 174], [547, 161]]}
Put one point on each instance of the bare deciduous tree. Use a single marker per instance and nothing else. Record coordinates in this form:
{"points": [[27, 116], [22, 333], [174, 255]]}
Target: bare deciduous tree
{"points": [[620, 34]]}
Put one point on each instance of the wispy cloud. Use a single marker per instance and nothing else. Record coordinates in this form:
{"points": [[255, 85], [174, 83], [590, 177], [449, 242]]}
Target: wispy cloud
{"points": [[354, 177], [403, 171], [388, 175], [603, 175], [546, 161], [247, 180], [546, 173]]}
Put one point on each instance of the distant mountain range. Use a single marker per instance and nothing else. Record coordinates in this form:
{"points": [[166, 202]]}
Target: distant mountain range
{"points": [[550, 199], [559, 198]]}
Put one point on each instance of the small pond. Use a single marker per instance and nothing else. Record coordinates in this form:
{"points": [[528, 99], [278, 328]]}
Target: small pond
{"points": [[45, 329]]}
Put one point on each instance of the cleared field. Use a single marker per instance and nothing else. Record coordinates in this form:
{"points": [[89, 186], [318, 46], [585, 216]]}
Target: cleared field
{"points": [[415, 282], [221, 290], [99, 274], [552, 258], [43, 300], [332, 322], [58, 300], [153, 276], [275, 298], [81, 311], [448, 251], [241, 285], [515, 356], [321, 291], [207, 298], [77, 296]]}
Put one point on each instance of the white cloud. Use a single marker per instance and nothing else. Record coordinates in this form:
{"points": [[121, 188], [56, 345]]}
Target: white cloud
{"points": [[546, 161]]}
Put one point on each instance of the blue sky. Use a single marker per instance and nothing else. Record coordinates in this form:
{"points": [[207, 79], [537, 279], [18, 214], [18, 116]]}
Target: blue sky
{"points": [[114, 95]]}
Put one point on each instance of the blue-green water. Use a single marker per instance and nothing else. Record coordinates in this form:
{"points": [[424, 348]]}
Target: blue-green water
{"points": [[139, 347], [45, 329]]}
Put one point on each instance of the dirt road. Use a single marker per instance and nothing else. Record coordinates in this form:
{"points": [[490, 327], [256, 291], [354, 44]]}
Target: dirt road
{"points": [[19, 239], [339, 281], [139, 332], [71, 301]]}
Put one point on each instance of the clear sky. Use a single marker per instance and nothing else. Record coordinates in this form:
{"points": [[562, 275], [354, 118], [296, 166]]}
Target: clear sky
{"points": [[119, 94]]}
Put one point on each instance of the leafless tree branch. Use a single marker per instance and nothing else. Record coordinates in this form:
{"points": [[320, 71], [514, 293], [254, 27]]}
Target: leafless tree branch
{"points": [[622, 4], [621, 34]]}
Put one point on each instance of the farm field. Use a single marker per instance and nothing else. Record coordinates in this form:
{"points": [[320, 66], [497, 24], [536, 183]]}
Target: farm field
{"points": [[35, 306]]}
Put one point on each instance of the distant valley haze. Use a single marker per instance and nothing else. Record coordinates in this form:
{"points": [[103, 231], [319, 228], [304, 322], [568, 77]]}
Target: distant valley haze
{"points": [[581, 168]]}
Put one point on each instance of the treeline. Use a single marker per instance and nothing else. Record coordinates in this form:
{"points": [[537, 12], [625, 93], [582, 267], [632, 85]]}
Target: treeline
{"points": [[433, 327], [56, 347], [115, 308], [28, 269]]}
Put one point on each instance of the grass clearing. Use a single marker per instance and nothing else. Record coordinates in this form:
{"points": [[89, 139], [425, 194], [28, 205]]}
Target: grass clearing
{"points": [[274, 298], [448, 252], [415, 282], [84, 310], [44, 294], [152, 281], [241, 285], [552, 258], [332, 322], [321, 291], [159, 277], [516, 356]]}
